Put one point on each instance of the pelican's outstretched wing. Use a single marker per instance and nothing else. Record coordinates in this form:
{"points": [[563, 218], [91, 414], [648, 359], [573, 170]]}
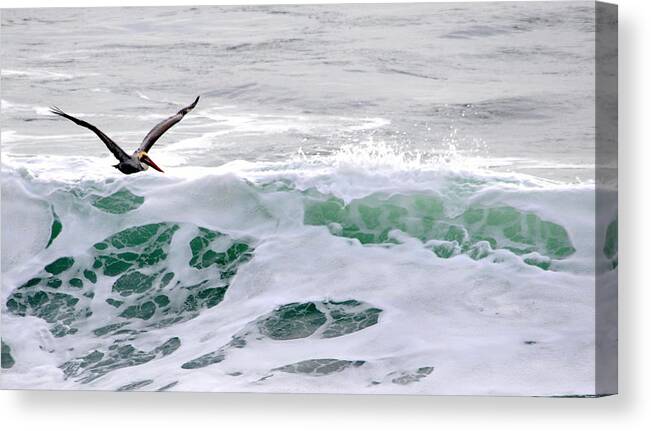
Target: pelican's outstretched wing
{"points": [[118, 152], [164, 126]]}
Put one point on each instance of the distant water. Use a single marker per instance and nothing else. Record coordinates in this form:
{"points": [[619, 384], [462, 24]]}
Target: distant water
{"points": [[513, 84], [374, 199]]}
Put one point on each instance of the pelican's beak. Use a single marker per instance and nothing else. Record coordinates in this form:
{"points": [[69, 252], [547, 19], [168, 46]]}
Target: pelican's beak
{"points": [[145, 158]]}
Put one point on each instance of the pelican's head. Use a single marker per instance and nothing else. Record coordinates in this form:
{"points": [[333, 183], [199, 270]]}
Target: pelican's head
{"points": [[143, 157]]}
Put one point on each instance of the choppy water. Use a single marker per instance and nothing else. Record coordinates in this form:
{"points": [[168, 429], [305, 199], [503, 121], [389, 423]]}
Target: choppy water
{"points": [[376, 199]]}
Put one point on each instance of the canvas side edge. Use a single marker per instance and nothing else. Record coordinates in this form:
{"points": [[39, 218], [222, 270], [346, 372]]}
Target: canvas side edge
{"points": [[606, 200]]}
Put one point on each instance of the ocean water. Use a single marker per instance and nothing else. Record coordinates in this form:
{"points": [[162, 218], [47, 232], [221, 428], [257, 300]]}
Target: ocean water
{"points": [[367, 199]]}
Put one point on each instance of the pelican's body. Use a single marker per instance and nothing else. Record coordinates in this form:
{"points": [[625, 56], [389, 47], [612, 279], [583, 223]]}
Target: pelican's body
{"points": [[131, 166], [138, 161], [134, 164]]}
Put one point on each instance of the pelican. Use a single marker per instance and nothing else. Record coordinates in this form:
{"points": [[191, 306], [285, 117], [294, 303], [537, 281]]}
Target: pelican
{"points": [[138, 161]]}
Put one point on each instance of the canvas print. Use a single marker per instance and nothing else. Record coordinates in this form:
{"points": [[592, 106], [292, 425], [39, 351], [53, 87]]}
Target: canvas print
{"points": [[363, 199]]}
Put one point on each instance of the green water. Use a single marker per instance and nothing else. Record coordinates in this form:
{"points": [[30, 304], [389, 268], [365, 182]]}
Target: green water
{"points": [[119, 202], [611, 243], [408, 377], [6, 361], [319, 367], [118, 355], [135, 385], [371, 219], [61, 294], [56, 228], [295, 321]]}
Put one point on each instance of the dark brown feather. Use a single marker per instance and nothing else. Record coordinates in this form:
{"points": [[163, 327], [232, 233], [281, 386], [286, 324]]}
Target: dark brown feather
{"points": [[118, 152], [164, 126]]}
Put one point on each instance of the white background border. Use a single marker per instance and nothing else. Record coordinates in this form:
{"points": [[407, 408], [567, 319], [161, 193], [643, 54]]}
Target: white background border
{"points": [[630, 410]]}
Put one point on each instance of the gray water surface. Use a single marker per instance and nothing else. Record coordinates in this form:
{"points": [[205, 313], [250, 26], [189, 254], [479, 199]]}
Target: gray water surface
{"points": [[509, 82]]}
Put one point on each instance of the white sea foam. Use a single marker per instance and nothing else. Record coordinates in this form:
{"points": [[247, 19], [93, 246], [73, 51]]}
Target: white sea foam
{"points": [[18, 107], [228, 121], [474, 321], [41, 75]]}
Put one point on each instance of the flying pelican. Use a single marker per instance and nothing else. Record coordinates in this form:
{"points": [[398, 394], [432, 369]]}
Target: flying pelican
{"points": [[139, 160]]}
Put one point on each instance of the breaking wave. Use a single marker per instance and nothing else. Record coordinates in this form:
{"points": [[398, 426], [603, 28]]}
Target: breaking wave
{"points": [[372, 271]]}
